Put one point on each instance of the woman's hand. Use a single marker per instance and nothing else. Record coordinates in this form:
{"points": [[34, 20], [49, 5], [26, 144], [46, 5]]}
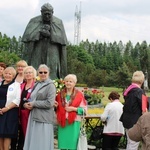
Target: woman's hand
{"points": [[55, 104], [3, 110], [70, 108], [28, 105]]}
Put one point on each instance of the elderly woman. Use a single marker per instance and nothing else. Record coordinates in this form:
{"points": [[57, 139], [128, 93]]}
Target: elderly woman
{"points": [[132, 109], [71, 105], [9, 101], [40, 134], [20, 65], [26, 88], [113, 128]]}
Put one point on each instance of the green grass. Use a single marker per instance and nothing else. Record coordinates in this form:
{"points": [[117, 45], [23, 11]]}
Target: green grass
{"points": [[108, 90], [105, 100]]}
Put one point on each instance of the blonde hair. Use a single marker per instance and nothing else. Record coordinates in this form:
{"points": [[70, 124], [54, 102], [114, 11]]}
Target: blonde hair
{"points": [[33, 70], [12, 69], [22, 63], [138, 77], [71, 76]]}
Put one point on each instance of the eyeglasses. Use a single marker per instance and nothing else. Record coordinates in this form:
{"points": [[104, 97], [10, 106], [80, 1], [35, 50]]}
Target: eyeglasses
{"points": [[28, 72], [42, 72], [21, 66]]}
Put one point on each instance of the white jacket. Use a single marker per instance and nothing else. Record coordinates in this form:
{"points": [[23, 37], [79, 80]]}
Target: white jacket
{"points": [[13, 94], [112, 113]]}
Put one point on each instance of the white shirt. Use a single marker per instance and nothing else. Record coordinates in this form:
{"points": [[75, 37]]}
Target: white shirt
{"points": [[112, 113], [13, 94]]}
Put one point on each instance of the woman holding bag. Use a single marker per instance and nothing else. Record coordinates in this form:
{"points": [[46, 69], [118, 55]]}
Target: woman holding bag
{"points": [[70, 104]]}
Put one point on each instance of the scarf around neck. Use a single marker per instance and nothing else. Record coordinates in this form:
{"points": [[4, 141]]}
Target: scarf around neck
{"points": [[76, 98], [132, 86]]}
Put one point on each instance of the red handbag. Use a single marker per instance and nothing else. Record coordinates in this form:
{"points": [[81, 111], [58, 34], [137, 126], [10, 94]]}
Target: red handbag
{"points": [[24, 115]]}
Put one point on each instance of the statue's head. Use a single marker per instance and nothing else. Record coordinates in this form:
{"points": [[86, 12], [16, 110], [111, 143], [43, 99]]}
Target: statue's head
{"points": [[47, 12]]}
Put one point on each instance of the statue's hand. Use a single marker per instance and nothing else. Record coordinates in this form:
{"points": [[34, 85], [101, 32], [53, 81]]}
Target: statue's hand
{"points": [[45, 30], [45, 33], [46, 27]]}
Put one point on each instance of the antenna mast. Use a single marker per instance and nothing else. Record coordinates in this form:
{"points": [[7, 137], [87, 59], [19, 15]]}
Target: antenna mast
{"points": [[77, 25]]}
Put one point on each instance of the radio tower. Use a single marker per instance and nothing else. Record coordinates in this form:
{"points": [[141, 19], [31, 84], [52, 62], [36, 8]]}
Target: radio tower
{"points": [[77, 25]]}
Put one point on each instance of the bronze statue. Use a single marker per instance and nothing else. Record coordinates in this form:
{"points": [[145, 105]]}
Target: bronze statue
{"points": [[45, 42]]}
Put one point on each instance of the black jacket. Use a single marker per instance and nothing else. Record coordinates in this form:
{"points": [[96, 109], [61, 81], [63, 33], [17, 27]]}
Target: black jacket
{"points": [[132, 109]]}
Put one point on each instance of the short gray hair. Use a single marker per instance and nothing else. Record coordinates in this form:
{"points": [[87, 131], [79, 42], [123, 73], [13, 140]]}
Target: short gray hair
{"points": [[71, 76], [44, 66]]}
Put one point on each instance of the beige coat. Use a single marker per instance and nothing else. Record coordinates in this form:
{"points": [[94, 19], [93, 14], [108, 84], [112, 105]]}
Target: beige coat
{"points": [[141, 131]]}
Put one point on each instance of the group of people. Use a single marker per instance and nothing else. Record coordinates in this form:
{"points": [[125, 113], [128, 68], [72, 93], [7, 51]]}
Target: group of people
{"points": [[27, 105], [126, 119]]}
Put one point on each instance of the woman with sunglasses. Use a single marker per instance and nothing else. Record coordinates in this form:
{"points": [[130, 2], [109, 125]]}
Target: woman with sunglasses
{"points": [[40, 134]]}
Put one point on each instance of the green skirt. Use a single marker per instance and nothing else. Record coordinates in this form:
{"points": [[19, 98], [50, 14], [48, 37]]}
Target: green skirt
{"points": [[68, 135]]}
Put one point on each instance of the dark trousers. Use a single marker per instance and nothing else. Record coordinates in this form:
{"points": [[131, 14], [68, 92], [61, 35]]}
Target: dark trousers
{"points": [[110, 142], [17, 143]]}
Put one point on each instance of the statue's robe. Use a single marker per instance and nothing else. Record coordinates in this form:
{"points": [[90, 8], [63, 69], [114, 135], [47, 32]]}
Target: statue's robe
{"points": [[50, 51]]}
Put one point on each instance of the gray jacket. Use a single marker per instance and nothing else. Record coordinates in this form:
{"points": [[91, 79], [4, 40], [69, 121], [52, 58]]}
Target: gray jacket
{"points": [[43, 102]]}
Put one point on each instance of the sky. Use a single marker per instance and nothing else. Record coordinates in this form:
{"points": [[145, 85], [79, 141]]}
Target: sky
{"points": [[102, 20]]}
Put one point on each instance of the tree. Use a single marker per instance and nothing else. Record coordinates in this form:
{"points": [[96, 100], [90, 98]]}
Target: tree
{"points": [[123, 76], [144, 56], [97, 78], [8, 58]]}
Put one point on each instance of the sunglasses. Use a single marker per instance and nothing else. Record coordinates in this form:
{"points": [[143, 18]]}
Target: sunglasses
{"points": [[42, 72]]}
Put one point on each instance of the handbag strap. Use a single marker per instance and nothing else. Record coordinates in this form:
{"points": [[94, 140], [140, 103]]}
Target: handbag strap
{"points": [[83, 124], [83, 117]]}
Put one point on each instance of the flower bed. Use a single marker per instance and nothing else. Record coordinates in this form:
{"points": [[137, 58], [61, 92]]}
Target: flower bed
{"points": [[93, 96]]}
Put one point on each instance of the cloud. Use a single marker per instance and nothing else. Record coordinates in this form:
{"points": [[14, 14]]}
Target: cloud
{"points": [[115, 28], [14, 15], [102, 20]]}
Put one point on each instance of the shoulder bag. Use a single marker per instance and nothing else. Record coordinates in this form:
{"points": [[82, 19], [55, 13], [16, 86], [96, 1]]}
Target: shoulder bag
{"points": [[82, 141]]}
